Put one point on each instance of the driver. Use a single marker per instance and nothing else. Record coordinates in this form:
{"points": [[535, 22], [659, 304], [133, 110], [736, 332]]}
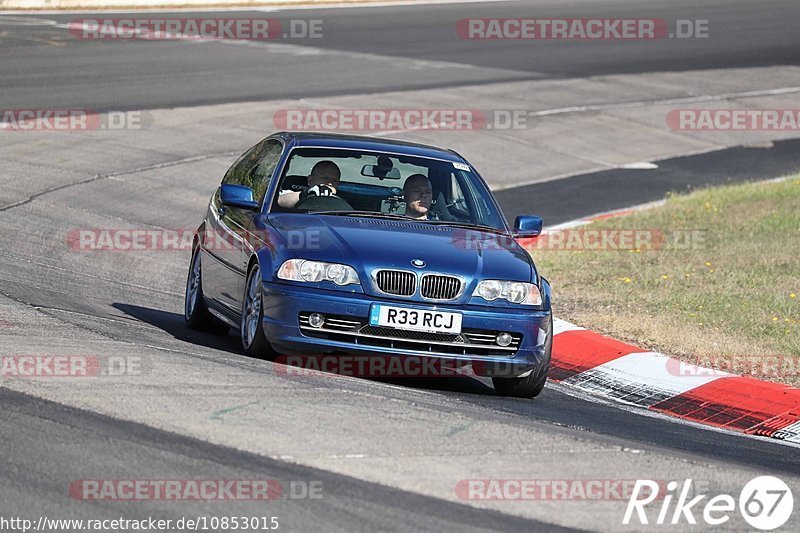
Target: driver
{"points": [[321, 193], [418, 195]]}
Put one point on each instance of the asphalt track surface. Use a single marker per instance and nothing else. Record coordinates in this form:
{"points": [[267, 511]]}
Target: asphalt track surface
{"points": [[364, 46], [31, 483], [578, 196], [46, 445]]}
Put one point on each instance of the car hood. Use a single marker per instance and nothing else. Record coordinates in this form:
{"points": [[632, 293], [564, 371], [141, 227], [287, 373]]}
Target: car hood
{"points": [[370, 243]]}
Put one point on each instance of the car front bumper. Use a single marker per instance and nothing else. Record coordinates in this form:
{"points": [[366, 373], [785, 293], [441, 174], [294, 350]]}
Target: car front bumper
{"points": [[283, 306]]}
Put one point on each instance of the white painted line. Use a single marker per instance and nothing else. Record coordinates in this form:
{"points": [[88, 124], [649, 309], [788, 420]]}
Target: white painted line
{"points": [[592, 218], [643, 379], [296, 50], [665, 101], [641, 207], [637, 410], [561, 326], [640, 165], [789, 433]]}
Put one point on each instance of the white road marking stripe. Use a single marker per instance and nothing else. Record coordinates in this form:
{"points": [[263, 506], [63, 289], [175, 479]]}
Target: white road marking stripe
{"points": [[592, 218], [644, 378], [789, 433], [560, 326], [299, 50], [665, 101]]}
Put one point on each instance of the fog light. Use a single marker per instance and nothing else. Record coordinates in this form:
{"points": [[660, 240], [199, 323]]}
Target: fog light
{"points": [[503, 339], [316, 320]]}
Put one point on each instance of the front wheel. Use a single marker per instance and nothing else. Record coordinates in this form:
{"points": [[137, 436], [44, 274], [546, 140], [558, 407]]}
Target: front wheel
{"points": [[254, 341], [531, 385]]}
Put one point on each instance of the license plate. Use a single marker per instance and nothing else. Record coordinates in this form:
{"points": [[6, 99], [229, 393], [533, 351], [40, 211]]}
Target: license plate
{"points": [[415, 319]]}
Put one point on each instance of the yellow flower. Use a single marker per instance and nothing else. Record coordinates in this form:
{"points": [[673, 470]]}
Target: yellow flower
{"points": [[664, 277], [792, 295], [774, 319], [708, 263]]}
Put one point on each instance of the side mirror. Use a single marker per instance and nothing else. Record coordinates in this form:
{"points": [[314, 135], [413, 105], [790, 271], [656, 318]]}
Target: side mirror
{"points": [[237, 196], [527, 226]]}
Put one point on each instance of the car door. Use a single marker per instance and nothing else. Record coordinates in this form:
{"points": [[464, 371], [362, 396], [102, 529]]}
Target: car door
{"points": [[224, 272], [259, 179]]}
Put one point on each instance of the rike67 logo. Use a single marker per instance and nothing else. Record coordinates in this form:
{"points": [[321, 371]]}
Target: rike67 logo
{"points": [[765, 503]]}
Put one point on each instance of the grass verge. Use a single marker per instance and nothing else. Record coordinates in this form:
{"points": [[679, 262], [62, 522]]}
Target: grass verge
{"points": [[715, 279]]}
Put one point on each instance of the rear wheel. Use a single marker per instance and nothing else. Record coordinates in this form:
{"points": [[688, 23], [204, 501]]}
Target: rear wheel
{"points": [[195, 310], [254, 341], [531, 385]]}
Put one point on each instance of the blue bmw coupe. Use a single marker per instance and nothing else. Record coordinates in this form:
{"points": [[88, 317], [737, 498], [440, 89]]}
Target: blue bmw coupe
{"points": [[322, 244]]}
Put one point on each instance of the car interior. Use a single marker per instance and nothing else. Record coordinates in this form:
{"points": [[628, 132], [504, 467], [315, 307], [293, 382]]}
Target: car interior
{"points": [[378, 189]]}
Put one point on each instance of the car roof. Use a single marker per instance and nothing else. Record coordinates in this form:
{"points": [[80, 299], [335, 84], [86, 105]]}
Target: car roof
{"points": [[357, 142]]}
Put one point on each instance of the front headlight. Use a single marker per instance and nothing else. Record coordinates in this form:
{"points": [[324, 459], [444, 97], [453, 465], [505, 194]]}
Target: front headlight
{"points": [[316, 271], [515, 292]]}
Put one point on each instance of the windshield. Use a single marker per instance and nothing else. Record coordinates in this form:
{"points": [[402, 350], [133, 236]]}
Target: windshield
{"points": [[334, 181]]}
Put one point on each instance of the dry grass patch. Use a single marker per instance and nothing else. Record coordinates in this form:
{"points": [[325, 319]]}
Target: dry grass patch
{"points": [[723, 290]]}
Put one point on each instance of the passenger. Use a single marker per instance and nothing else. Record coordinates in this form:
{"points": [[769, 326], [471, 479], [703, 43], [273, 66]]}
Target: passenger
{"points": [[418, 195]]}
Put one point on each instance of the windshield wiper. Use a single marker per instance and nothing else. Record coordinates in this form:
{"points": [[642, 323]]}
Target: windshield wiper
{"points": [[467, 225], [372, 214]]}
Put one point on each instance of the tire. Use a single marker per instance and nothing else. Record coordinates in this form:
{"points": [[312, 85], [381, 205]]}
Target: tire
{"points": [[531, 385], [251, 327], [195, 310]]}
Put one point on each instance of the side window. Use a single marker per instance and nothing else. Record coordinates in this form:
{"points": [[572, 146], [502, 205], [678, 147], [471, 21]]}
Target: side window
{"points": [[255, 167], [260, 175], [458, 205], [476, 202], [457, 196]]}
